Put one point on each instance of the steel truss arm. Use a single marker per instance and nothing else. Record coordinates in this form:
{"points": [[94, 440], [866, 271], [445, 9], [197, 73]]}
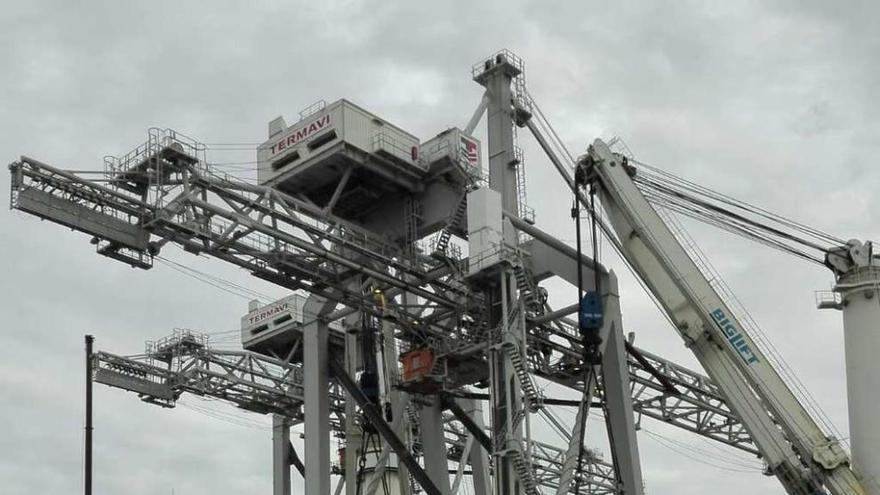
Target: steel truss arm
{"points": [[293, 244], [273, 235], [246, 227], [265, 385], [696, 405]]}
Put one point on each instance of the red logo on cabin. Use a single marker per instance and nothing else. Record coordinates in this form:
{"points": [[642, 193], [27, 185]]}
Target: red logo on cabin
{"points": [[469, 150], [304, 132]]}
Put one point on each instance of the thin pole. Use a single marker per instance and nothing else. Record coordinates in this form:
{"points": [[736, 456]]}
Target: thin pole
{"points": [[88, 462]]}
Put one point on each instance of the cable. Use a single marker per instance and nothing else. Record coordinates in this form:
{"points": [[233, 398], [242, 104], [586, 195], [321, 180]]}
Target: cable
{"points": [[731, 300], [215, 281], [224, 416], [793, 424], [575, 213], [663, 195], [663, 441], [716, 196], [755, 228], [590, 346], [726, 459]]}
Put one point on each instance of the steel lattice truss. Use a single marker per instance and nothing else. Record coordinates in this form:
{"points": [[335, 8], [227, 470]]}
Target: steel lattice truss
{"points": [[287, 241], [292, 243], [276, 237], [265, 385], [698, 405]]}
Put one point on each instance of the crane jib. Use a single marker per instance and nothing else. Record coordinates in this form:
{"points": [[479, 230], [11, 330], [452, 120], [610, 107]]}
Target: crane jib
{"points": [[734, 336]]}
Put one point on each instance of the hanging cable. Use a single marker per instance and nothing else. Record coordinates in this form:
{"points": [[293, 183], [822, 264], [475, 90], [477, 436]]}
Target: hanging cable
{"points": [[684, 184], [590, 311], [576, 215]]}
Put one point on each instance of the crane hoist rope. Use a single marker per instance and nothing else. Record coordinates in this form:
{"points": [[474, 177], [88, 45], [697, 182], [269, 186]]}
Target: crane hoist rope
{"points": [[590, 311], [684, 197]]}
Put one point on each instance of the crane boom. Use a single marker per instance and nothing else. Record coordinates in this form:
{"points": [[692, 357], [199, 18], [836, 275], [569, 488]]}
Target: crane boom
{"points": [[775, 418]]}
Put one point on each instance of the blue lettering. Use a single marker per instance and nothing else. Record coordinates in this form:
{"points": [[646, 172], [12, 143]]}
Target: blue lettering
{"points": [[734, 336]]}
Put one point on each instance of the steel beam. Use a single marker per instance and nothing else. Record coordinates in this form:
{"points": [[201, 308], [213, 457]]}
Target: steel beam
{"points": [[316, 395], [478, 114], [397, 424], [469, 421], [481, 476], [280, 455], [618, 401], [375, 417], [431, 426]]}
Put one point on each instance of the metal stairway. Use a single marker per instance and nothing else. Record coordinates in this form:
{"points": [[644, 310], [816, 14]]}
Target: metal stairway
{"points": [[530, 393], [454, 219], [524, 471], [528, 291], [414, 421]]}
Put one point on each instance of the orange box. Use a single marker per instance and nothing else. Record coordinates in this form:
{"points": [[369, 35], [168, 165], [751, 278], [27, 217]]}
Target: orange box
{"points": [[416, 364]]}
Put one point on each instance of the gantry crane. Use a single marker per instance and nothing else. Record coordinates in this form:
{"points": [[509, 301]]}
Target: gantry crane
{"points": [[315, 223]]}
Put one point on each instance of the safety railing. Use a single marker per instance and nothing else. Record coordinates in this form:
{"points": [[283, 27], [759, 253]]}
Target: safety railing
{"points": [[312, 109], [385, 142]]}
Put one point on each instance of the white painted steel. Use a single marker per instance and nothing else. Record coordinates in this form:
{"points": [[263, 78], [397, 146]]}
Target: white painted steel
{"points": [[351, 124], [712, 332], [453, 145], [484, 228], [860, 293]]}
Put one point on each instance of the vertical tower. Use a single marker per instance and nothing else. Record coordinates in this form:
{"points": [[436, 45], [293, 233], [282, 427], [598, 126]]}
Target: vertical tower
{"points": [[858, 285], [496, 74]]}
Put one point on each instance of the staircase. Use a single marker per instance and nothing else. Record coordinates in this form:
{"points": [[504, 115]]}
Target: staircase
{"points": [[438, 370], [454, 219], [412, 415], [528, 291], [524, 471], [530, 393]]}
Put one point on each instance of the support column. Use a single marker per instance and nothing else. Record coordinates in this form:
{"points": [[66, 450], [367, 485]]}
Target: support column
{"points": [[434, 444], [316, 396], [618, 399], [479, 457], [860, 296], [496, 75], [399, 402], [611, 310], [87, 476], [280, 455], [353, 434]]}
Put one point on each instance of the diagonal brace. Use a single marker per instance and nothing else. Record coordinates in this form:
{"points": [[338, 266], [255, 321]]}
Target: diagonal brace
{"points": [[375, 417], [468, 423]]}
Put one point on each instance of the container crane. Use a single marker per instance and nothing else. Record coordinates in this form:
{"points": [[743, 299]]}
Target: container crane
{"points": [[315, 222]]}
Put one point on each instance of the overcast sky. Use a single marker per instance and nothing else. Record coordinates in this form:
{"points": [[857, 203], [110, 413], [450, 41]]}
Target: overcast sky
{"points": [[772, 103]]}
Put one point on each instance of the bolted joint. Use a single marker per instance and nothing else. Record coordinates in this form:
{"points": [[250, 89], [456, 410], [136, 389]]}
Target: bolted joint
{"points": [[829, 454]]}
